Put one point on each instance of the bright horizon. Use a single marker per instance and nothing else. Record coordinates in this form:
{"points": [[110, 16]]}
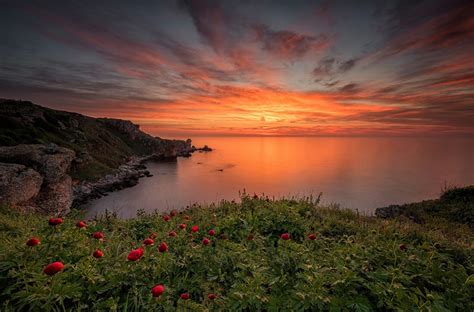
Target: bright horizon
{"points": [[228, 68]]}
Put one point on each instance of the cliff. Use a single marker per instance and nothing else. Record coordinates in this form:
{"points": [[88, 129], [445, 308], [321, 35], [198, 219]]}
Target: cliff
{"points": [[101, 144], [51, 159]]}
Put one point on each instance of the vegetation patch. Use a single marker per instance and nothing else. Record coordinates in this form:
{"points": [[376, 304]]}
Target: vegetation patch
{"points": [[258, 254]]}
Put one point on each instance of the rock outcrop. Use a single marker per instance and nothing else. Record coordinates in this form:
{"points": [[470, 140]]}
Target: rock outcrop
{"points": [[35, 177]]}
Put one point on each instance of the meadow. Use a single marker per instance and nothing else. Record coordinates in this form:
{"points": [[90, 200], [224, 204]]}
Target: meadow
{"points": [[256, 254]]}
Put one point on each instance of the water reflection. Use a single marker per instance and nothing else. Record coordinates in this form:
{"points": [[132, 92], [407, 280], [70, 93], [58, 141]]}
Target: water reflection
{"points": [[361, 173]]}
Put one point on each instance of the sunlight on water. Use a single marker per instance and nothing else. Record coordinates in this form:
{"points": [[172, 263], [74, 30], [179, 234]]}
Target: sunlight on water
{"points": [[358, 173]]}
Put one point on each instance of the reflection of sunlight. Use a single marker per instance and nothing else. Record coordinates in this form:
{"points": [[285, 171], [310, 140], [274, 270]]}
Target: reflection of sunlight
{"points": [[362, 173]]}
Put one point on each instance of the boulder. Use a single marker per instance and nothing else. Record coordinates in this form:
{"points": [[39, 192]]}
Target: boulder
{"points": [[18, 184], [34, 177]]}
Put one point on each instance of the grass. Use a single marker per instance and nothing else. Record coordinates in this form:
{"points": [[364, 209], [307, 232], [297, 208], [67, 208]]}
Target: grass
{"points": [[356, 263]]}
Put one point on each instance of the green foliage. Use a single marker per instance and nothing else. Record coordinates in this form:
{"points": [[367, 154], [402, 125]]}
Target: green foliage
{"points": [[355, 264]]}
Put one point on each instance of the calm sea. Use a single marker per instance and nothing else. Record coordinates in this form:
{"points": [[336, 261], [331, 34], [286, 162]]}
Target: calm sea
{"points": [[357, 173]]}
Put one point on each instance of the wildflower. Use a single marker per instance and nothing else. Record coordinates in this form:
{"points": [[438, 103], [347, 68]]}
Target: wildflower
{"points": [[153, 236], [184, 296], [135, 254], [33, 242], [285, 236], [98, 254], [163, 247], [53, 268], [211, 232], [166, 218], [403, 247], [81, 224], [158, 290], [182, 226], [98, 235], [312, 236], [173, 213], [172, 234], [195, 228], [211, 296], [55, 221], [206, 241], [148, 242]]}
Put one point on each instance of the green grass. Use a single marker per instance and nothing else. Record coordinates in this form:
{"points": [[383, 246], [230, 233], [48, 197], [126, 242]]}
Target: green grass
{"points": [[355, 264]]}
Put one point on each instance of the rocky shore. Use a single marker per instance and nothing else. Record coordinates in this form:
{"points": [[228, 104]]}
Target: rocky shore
{"points": [[52, 160]]}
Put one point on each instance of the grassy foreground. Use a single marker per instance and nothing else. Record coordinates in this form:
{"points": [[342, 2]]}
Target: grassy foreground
{"points": [[355, 263]]}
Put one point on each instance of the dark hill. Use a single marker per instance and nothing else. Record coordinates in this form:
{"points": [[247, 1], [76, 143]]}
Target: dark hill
{"points": [[101, 144]]}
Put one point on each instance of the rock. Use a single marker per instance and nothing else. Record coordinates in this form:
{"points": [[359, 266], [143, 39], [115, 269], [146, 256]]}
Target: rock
{"points": [[18, 184], [51, 161], [56, 197], [40, 173], [389, 212]]}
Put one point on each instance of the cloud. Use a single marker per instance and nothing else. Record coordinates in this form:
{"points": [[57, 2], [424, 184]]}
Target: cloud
{"points": [[289, 45]]}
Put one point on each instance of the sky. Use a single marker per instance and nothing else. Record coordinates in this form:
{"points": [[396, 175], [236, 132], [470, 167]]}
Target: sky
{"points": [[194, 68]]}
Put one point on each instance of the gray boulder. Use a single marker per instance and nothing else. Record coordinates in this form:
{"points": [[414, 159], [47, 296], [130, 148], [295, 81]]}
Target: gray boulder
{"points": [[18, 184]]}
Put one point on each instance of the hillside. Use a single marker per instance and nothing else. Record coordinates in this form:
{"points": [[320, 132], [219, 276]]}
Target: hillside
{"points": [[100, 144], [257, 255]]}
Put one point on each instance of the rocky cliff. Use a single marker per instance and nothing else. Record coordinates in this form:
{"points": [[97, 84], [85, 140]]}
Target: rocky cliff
{"points": [[50, 159], [101, 144]]}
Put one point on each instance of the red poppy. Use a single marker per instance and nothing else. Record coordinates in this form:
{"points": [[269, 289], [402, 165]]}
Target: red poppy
{"points": [[182, 226], [172, 234], [403, 247], [312, 236], [153, 235], [206, 241], [173, 213], [33, 242], [163, 247], [211, 232], [55, 221], [53, 268], [195, 228], [148, 242], [98, 254], [158, 290], [166, 218], [186, 217], [211, 296], [184, 296], [135, 254], [81, 224], [285, 236], [98, 235]]}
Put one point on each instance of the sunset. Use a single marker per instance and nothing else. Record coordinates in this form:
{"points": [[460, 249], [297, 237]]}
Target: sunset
{"points": [[189, 68], [236, 155]]}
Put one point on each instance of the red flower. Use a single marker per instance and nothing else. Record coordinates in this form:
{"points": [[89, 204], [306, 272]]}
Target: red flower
{"points": [[55, 221], [148, 242], [53, 268], [312, 236], [173, 213], [163, 247], [98, 254], [135, 254], [195, 228], [211, 296], [403, 247], [182, 226], [166, 218], [206, 241], [81, 224], [285, 236], [211, 232], [172, 234], [33, 242], [158, 290], [153, 235], [98, 235], [186, 217], [184, 296]]}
